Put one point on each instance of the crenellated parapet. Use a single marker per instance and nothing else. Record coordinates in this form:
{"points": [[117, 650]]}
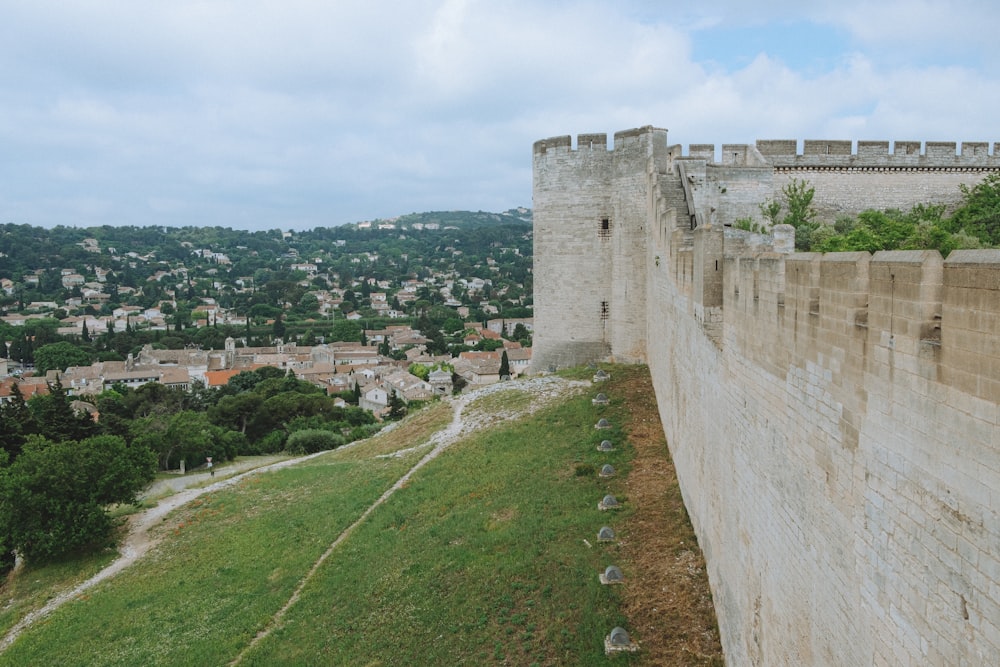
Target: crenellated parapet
{"points": [[879, 155], [940, 315], [847, 177], [833, 419], [598, 141], [785, 154]]}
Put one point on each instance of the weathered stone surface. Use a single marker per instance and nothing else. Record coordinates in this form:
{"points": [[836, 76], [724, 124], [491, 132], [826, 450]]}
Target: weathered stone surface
{"points": [[834, 420]]}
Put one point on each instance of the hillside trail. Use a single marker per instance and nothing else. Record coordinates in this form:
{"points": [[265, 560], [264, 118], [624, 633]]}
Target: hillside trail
{"points": [[541, 388], [138, 541]]}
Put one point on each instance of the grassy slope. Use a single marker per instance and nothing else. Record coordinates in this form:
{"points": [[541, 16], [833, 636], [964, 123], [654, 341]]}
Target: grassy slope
{"points": [[481, 558]]}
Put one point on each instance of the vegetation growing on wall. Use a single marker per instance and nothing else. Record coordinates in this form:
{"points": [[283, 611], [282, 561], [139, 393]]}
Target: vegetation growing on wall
{"points": [[975, 224]]}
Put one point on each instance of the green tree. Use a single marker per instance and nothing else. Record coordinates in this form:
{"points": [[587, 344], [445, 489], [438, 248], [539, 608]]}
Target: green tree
{"points": [[397, 408], [308, 305], [522, 335], [22, 349], [979, 214], [53, 496], [801, 214], [263, 311], [154, 398], [436, 343], [114, 413], [187, 436], [53, 416], [923, 227], [59, 356], [182, 318], [798, 198], [771, 210], [504, 365], [278, 329], [345, 330], [11, 431], [235, 412]]}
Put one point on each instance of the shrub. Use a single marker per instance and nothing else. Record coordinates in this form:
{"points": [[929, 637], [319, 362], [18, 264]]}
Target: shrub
{"points": [[312, 440], [272, 443]]}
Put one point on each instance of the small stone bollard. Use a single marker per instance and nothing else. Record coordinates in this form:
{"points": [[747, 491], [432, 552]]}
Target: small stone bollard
{"points": [[600, 399], [605, 534], [611, 575], [608, 503], [602, 424], [607, 470], [619, 641], [605, 446]]}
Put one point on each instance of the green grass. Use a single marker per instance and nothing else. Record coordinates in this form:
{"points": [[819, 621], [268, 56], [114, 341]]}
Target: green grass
{"points": [[480, 558], [505, 401], [413, 432], [32, 587], [234, 559]]}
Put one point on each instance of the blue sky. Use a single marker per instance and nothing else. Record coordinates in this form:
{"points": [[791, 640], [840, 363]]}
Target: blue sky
{"points": [[260, 114]]}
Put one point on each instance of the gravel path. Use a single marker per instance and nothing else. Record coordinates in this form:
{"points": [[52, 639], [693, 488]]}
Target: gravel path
{"points": [[168, 485], [138, 541]]}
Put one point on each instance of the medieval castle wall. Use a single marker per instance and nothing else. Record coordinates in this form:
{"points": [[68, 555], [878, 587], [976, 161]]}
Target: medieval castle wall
{"points": [[834, 419]]}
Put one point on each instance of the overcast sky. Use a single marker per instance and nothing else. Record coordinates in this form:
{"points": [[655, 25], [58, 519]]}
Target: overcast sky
{"points": [[262, 114]]}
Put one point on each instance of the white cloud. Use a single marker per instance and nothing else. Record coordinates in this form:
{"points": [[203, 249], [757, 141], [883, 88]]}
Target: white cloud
{"points": [[261, 113]]}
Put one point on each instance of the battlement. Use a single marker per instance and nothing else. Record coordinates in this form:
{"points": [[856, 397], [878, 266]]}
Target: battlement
{"points": [[598, 141], [833, 419], [784, 154], [937, 314]]}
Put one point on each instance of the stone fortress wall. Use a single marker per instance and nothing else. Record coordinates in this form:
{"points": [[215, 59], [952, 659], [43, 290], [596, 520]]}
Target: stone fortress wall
{"points": [[834, 419]]}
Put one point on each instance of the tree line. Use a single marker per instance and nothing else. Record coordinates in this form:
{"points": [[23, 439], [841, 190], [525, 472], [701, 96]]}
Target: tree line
{"points": [[60, 468]]}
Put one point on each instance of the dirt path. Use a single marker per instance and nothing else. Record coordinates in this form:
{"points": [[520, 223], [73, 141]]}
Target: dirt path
{"points": [[441, 440], [168, 485], [138, 540], [544, 388], [672, 610]]}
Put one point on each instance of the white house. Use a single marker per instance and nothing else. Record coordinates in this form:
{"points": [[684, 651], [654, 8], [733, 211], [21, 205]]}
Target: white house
{"points": [[374, 398]]}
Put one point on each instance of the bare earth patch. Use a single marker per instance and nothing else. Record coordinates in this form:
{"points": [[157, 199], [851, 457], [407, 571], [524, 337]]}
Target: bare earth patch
{"points": [[667, 599]]}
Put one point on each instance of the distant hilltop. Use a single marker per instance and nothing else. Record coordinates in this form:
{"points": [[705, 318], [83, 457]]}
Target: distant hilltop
{"points": [[443, 219]]}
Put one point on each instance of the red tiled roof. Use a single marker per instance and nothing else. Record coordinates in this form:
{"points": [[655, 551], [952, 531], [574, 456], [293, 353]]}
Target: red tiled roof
{"points": [[220, 378]]}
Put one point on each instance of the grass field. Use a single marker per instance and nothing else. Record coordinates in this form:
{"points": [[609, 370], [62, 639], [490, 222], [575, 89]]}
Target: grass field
{"points": [[487, 555]]}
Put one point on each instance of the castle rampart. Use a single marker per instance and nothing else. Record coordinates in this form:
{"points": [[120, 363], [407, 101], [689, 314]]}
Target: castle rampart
{"points": [[834, 419], [846, 179]]}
